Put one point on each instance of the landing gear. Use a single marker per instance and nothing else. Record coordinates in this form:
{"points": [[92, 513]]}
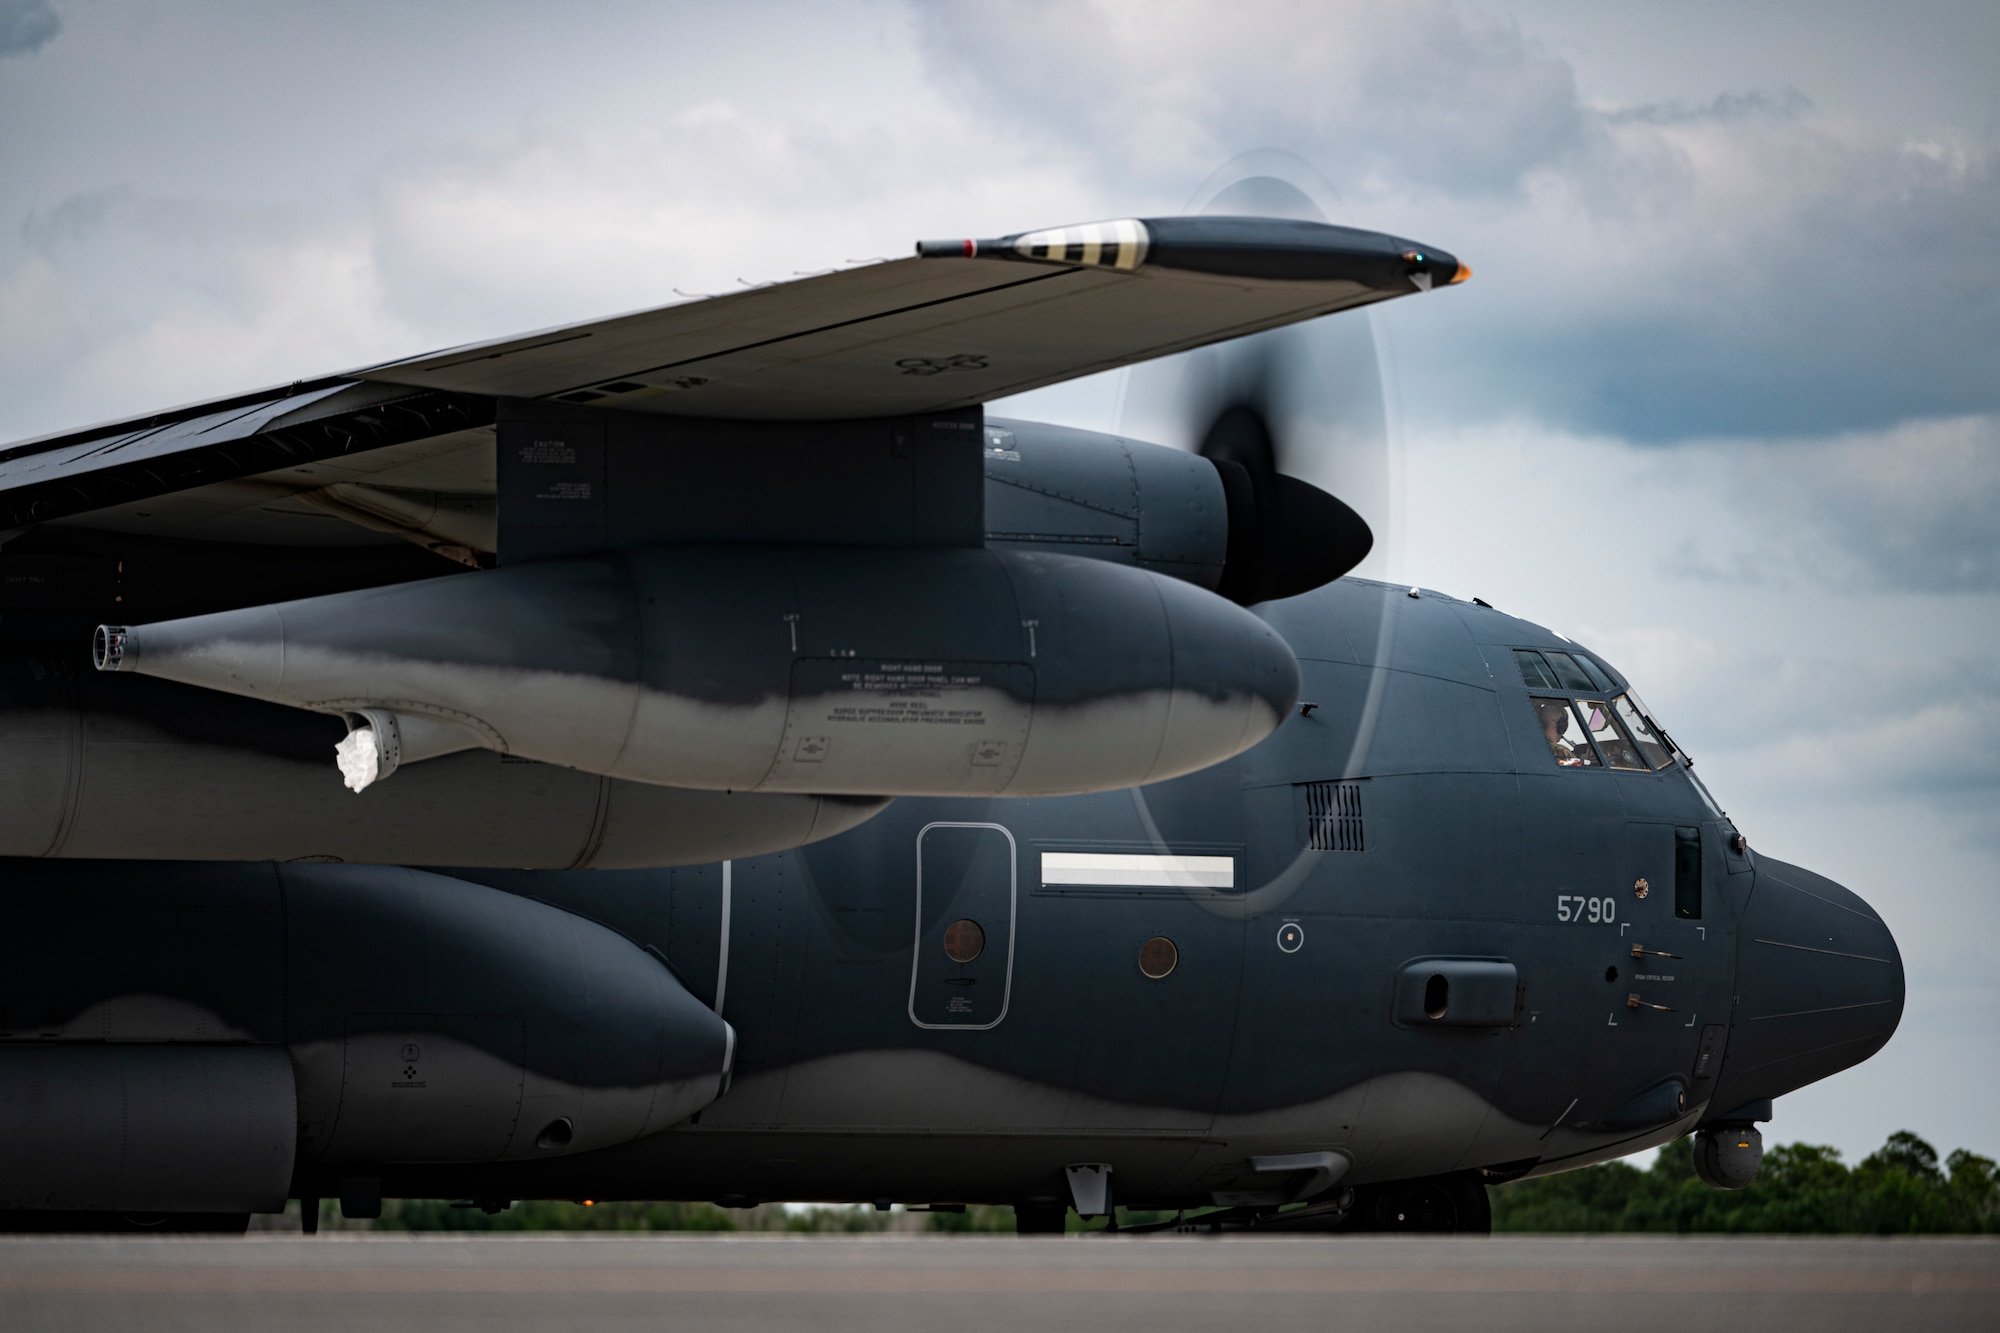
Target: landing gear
{"points": [[1453, 1204]]}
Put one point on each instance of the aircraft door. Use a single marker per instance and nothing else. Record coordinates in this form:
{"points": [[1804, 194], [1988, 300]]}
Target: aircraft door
{"points": [[1666, 967], [963, 967]]}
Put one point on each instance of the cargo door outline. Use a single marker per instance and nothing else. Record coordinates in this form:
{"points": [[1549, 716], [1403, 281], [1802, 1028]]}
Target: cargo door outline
{"points": [[1013, 907]]}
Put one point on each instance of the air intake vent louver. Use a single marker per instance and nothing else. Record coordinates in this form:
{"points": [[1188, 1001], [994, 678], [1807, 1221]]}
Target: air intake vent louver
{"points": [[1333, 817]]}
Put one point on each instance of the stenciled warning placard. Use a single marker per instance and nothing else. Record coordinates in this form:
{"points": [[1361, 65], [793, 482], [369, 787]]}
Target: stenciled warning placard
{"points": [[884, 725]]}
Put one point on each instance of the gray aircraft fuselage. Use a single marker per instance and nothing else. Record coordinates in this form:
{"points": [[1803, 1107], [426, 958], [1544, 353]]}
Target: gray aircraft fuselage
{"points": [[870, 1065], [1404, 940]]}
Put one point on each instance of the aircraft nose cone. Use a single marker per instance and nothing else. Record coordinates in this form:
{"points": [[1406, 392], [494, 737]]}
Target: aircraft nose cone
{"points": [[1819, 986]]}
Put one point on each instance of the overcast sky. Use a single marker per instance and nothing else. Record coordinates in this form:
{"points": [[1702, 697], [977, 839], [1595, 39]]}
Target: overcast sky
{"points": [[1737, 281]]}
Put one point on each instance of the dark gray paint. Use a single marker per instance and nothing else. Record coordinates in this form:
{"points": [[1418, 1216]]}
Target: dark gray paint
{"points": [[110, 1125], [1053, 488], [576, 479], [423, 1017], [1244, 1050], [1469, 840]]}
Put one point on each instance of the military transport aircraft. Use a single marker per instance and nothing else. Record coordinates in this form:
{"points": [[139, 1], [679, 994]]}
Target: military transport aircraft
{"points": [[829, 792]]}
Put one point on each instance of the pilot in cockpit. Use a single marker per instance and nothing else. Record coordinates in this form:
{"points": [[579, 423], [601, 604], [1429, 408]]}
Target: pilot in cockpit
{"points": [[1555, 724]]}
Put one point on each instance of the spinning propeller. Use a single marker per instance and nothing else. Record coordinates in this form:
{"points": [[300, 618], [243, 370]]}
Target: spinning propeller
{"points": [[1297, 421], [1292, 418]]}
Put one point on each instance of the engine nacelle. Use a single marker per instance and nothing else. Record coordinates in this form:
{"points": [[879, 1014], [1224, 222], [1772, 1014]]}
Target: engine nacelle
{"points": [[871, 672], [1078, 492], [185, 1037], [1230, 522]]}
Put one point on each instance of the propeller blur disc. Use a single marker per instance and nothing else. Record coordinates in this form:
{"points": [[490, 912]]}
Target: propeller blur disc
{"points": [[1303, 404], [1305, 413]]}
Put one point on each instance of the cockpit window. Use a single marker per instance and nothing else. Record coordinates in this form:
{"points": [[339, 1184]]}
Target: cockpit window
{"points": [[1597, 726], [1652, 746], [1559, 728], [1561, 671], [1535, 671], [1612, 743], [1572, 676]]}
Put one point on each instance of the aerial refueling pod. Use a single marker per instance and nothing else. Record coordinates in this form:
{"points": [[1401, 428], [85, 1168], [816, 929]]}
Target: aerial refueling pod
{"points": [[824, 670], [98, 766]]}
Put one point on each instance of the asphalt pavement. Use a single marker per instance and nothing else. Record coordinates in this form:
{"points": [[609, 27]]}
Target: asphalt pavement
{"points": [[967, 1284]]}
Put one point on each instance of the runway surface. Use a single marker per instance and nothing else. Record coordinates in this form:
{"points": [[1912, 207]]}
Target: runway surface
{"points": [[975, 1283]]}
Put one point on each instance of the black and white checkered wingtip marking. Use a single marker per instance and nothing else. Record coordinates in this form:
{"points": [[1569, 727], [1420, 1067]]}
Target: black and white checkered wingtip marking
{"points": [[1119, 244]]}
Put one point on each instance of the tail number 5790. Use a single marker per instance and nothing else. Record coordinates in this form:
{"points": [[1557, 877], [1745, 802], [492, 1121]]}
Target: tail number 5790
{"points": [[1596, 911]]}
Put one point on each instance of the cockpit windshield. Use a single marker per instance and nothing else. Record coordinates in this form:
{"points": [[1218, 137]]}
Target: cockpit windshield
{"points": [[1592, 725], [1612, 742], [1558, 728], [1652, 744]]}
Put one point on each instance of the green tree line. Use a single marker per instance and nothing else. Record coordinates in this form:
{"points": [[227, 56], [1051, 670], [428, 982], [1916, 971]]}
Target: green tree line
{"points": [[1900, 1189]]}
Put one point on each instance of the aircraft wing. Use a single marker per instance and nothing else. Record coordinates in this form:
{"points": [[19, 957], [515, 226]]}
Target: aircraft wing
{"points": [[944, 330], [956, 325]]}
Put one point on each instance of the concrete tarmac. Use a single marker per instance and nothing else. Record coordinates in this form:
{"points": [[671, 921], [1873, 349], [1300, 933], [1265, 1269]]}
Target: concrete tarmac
{"points": [[970, 1284]]}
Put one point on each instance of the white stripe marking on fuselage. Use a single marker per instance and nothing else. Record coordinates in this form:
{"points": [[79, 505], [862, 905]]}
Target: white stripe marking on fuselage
{"points": [[1136, 869]]}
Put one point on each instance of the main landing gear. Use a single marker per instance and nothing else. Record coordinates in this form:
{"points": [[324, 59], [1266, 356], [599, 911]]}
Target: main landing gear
{"points": [[1455, 1204]]}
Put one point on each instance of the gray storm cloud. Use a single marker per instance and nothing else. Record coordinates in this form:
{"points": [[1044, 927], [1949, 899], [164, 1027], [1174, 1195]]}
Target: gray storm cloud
{"points": [[1731, 264], [26, 26], [1422, 94], [1906, 509]]}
